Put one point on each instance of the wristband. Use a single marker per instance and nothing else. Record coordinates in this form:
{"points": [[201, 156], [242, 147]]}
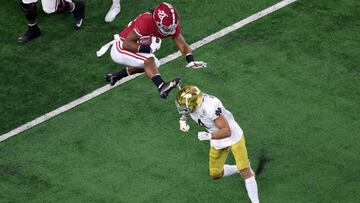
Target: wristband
{"points": [[189, 58]]}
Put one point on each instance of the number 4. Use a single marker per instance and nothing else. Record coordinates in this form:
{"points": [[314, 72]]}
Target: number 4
{"points": [[202, 124]]}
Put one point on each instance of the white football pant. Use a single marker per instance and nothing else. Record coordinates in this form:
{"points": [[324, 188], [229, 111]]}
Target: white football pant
{"points": [[49, 6], [136, 60]]}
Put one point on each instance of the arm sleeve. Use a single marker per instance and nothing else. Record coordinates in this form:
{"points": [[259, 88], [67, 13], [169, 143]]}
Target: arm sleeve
{"points": [[143, 26], [215, 109]]}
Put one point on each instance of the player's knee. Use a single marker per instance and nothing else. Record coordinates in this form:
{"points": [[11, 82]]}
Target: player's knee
{"points": [[216, 173], [149, 62], [30, 10], [48, 11], [246, 173]]}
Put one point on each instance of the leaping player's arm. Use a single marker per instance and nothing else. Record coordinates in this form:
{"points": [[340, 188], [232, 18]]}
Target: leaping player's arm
{"points": [[131, 42], [224, 128], [182, 45], [186, 51]]}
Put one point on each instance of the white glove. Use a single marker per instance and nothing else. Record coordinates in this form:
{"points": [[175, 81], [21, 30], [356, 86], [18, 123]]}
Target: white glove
{"points": [[204, 136], [155, 44], [184, 126], [196, 64]]}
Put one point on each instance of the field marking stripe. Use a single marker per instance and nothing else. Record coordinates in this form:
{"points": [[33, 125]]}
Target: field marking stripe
{"points": [[163, 61]]}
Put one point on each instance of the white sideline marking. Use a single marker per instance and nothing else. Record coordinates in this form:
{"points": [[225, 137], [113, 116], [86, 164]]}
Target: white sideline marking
{"points": [[163, 61]]}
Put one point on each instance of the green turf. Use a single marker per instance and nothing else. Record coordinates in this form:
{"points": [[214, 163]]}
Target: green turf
{"points": [[61, 66], [292, 81]]}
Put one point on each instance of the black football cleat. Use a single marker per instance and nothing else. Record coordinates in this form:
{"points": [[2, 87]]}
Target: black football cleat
{"points": [[167, 87], [111, 79], [31, 33], [79, 12]]}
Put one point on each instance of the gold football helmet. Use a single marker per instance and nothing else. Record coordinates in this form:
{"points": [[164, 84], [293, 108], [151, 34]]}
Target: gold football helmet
{"points": [[188, 99]]}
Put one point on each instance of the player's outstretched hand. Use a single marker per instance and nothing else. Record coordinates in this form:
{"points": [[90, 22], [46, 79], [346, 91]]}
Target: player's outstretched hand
{"points": [[196, 64], [204, 136], [184, 126]]}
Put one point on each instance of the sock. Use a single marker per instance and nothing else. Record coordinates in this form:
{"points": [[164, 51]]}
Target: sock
{"points": [[230, 170], [252, 190], [32, 26], [78, 9], [123, 73], [115, 2], [158, 81]]}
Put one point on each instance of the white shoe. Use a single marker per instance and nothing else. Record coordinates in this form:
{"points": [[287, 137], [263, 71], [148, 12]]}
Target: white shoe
{"points": [[113, 12]]}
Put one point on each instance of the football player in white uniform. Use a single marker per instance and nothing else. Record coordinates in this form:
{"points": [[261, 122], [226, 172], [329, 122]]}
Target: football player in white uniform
{"points": [[113, 12], [223, 132], [49, 6]]}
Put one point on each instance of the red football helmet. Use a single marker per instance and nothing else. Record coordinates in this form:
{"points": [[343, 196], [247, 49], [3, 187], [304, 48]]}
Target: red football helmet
{"points": [[166, 18]]}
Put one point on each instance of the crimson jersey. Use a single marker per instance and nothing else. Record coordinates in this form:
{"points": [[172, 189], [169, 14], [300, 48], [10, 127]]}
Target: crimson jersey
{"points": [[144, 25]]}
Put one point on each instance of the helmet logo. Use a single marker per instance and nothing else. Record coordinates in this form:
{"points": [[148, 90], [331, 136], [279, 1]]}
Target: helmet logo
{"points": [[162, 15]]}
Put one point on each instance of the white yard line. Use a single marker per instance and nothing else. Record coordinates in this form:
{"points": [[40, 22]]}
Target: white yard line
{"points": [[163, 61]]}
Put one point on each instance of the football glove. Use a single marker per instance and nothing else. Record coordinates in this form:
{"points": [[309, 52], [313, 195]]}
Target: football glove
{"points": [[184, 126], [155, 44], [204, 136], [196, 65]]}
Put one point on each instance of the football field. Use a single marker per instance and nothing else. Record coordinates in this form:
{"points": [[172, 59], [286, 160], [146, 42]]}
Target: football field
{"points": [[291, 79]]}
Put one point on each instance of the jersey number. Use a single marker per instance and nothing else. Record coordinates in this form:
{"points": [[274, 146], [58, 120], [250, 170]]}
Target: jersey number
{"points": [[202, 124]]}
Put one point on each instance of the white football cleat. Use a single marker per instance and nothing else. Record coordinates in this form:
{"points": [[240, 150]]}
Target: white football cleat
{"points": [[113, 12]]}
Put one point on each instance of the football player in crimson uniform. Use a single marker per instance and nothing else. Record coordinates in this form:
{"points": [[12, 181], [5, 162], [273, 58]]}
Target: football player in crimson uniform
{"points": [[49, 6], [114, 11], [161, 23], [224, 134]]}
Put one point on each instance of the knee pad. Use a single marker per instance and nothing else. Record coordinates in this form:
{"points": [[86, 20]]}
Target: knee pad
{"points": [[30, 11]]}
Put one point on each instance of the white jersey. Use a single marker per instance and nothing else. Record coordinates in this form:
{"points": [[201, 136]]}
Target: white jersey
{"points": [[205, 115]]}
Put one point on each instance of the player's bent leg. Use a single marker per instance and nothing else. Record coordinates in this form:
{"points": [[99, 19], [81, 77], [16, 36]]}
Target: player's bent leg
{"points": [[133, 70], [242, 162], [246, 173], [216, 173], [240, 154], [152, 72], [123, 57], [150, 67], [113, 78], [133, 61], [250, 184], [148, 62], [217, 158], [30, 11]]}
